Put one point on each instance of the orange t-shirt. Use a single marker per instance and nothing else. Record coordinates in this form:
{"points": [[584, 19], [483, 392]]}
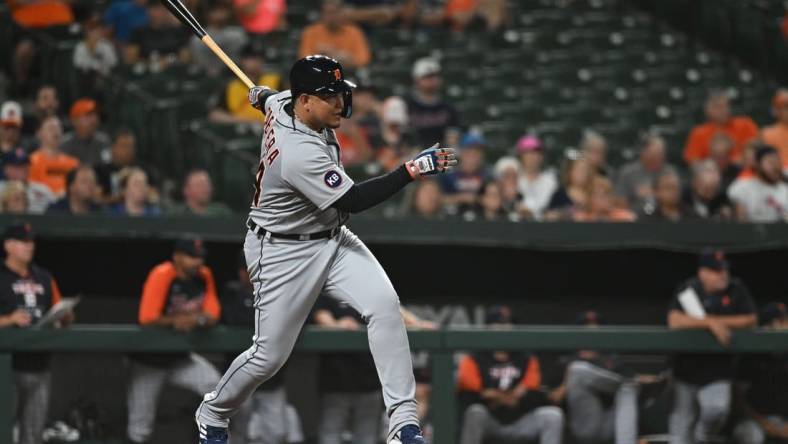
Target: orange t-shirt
{"points": [[42, 13], [51, 170], [470, 379], [157, 301], [348, 39], [740, 129], [777, 136], [265, 18], [455, 6]]}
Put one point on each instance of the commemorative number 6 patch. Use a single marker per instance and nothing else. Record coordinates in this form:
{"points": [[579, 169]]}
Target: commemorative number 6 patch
{"points": [[333, 179]]}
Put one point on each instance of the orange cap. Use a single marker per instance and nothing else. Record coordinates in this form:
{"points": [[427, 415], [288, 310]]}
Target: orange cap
{"points": [[780, 98], [82, 106]]}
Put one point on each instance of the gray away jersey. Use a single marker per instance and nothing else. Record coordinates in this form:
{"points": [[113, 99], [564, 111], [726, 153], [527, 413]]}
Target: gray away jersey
{"points": [[299, 177]]}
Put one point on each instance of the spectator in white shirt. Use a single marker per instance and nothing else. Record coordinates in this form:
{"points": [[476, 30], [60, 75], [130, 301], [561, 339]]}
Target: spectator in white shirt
{"points": [[536, 185], [763, 198]]}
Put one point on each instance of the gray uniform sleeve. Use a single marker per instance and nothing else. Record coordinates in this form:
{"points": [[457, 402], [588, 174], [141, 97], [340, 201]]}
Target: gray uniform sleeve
{"points": [[310, 171]]}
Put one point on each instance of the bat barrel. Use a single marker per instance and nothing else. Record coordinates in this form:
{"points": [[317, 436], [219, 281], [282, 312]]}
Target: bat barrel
{"points": [[183, 14]]}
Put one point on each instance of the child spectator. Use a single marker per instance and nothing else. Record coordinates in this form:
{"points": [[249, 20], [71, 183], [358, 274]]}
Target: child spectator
{"points": [[715, 302], [740, 129], [336, 37], [48, 165], [536, 185], [599, 204], [490, 203], [136, 195], [764, 198], [87, 143], [430, 116], [427, 200]]}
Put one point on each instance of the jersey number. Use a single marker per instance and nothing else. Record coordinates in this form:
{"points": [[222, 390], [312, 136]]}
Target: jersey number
{"points": [[258, 180]]}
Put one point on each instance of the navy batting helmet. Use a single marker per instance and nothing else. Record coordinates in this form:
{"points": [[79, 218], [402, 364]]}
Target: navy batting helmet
{"points": [[319, 74]]}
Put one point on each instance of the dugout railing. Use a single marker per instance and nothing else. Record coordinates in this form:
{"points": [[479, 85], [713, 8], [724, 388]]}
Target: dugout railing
{"points": [[441, 344]]}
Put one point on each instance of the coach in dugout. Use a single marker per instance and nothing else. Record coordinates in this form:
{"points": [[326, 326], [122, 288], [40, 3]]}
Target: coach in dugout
{"points": [[180, 294], [506, 397], [702, 393], [27, 292]]}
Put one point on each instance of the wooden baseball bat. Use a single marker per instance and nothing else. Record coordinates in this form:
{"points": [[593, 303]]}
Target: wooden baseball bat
{"points": [[178, 10]]}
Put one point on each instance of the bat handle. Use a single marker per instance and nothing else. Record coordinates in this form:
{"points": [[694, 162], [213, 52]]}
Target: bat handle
{"points": [[227, 61]]}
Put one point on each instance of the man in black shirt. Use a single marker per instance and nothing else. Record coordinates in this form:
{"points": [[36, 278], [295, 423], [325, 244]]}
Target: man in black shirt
{"points": [[429, 114], [266, 417], [162, 41], [763, 388], [349, 385], [714, 301], [27, 292]]}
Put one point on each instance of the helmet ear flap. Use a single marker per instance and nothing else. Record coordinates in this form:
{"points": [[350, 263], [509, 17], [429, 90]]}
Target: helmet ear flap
{"points": [[347, 111]]}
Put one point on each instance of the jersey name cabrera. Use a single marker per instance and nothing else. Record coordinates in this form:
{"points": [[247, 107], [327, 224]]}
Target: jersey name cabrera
{"points": [[300, 175]]}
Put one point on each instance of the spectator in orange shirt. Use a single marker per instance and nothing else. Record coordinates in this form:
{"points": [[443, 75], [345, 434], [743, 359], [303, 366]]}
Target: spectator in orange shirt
{"points": [[506, 400], [718, 114], [599, 205], [462, 13], [261, 16], [180, 294], [335, 37], [48, 165], [777, 135]]}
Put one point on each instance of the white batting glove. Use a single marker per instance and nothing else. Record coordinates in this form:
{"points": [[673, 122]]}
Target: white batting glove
{"points": [[254, 96]]}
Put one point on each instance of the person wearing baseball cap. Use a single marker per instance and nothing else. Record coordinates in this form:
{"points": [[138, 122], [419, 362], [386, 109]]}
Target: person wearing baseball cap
{"points": [[763, 198], [776, 135], [431, 117], [27, 293], [503, 390], [463, 185], [87, 143], [711, 300], [10, 126], [181, 294], [537, 185]]}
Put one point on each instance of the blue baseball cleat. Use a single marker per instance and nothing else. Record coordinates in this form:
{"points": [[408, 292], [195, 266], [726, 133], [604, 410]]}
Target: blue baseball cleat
{"points": [[410, 434], [213, 435]]}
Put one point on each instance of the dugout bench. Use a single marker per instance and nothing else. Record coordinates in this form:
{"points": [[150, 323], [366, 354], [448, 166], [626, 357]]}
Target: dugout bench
{"points": [[441, 344]]}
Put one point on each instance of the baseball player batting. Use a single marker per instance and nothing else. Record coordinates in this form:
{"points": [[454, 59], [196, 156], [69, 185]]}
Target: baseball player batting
{"points": [[297, 246]]}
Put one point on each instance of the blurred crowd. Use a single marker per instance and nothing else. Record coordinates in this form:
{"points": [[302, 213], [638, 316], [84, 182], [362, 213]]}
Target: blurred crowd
{"points": [[584, 396], [60, 157]]}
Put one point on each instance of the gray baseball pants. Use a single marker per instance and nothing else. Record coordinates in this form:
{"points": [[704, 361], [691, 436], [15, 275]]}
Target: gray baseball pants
{"points": [[288, 275], [699, 412], [195, 374], [31, 404], [589, 420], [545, 424]]}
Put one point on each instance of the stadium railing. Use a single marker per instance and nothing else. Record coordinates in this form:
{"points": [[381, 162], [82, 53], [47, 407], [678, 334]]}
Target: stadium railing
{"points": [[441, 344]]}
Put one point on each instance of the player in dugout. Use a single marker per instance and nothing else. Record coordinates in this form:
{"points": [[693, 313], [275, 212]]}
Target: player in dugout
{"points": [[27, 292], [181, 294]]}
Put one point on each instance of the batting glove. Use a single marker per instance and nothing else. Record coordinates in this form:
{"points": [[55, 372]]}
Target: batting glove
{"points": [[255, 94], [431, 161]]}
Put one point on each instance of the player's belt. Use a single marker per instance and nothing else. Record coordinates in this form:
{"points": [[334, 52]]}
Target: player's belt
{"points": [[260, 231]]}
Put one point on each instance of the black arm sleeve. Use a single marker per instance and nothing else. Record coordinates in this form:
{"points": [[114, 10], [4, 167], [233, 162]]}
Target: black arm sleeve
{"points": [[369, 193]]}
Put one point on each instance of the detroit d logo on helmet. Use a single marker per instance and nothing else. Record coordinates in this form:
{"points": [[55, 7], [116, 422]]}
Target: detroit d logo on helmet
{"points": [[333, 179]]}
